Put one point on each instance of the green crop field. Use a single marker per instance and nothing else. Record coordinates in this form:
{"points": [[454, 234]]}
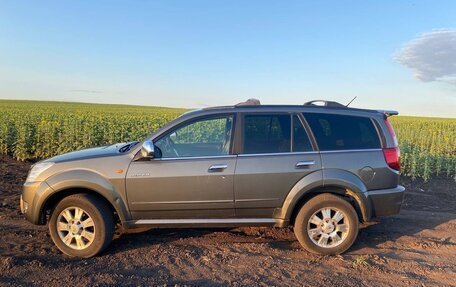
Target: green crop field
{"points": [[35, 130], [428, 146]]}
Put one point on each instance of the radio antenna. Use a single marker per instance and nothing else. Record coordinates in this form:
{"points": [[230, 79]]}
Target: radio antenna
{"points": [[351, 101]]}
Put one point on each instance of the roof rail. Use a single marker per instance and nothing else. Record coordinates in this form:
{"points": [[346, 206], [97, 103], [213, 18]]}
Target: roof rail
{"points": [[249, 102], [325, 103]]}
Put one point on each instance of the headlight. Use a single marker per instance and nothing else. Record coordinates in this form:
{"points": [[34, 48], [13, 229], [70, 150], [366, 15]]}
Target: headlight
{"points": [[37, 169]]}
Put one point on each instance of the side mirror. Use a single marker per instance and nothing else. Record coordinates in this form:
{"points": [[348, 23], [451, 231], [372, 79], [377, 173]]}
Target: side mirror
{"points": [[173, 136], [148, 149]]}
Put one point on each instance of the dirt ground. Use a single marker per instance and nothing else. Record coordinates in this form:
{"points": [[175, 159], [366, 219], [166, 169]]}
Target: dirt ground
{"points": [[415, 248]]}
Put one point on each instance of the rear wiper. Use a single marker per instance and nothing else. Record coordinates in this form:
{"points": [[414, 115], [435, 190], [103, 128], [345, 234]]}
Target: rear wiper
{"points": [[127, 147]]}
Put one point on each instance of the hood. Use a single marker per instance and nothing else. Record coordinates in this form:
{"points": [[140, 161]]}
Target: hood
{"points": [[96, 152]]}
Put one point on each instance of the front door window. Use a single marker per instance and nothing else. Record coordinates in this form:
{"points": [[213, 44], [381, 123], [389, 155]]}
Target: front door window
{"points": [[205, 137]]}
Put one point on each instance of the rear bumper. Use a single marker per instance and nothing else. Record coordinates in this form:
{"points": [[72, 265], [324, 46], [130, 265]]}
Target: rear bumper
{"points": [[385, 202]]}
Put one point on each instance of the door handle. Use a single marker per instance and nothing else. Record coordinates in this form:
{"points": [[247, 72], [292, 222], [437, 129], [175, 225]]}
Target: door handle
{"points": [[218, 167], [305, 164]]}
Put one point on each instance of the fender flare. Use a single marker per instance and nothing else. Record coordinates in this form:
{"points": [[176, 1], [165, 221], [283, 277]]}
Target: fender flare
{"points": [[317, 181], [88, 180], [306, 184], [353, 186]]}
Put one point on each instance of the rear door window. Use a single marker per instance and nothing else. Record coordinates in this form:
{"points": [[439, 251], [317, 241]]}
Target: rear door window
{"points": [[301, 141], [267, 133], [341, 132], [274, 133]]}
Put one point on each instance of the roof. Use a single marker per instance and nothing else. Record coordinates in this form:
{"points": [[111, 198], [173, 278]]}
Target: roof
{"points": [[254, 105]]}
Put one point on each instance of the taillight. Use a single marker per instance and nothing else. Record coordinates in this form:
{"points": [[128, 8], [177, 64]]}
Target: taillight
{"points": [[393, 154], [392, 157], [391, 131]]}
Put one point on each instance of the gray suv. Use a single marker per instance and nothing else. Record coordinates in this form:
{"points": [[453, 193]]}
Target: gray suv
{"points": [[322, 169]]}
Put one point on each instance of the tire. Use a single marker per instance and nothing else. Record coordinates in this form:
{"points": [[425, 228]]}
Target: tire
{"points": [[84, 222], [313, 219]]}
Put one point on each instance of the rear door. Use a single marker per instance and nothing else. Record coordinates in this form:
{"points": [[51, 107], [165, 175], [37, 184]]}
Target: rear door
{"points": [[275, 153]]}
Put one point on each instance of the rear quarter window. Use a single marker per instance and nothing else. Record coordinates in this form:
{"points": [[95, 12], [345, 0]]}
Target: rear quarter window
{"points": [[342, 132]]}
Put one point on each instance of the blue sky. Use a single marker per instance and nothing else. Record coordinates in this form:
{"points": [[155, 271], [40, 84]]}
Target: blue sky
{"points": [[204, 53]]}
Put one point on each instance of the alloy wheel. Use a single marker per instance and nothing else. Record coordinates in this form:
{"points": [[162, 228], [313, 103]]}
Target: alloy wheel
{"points": [[328, 227], [76, 228]]}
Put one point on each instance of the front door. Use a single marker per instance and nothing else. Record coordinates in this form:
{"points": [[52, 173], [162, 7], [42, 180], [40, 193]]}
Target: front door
{"points": [[192, 175]]}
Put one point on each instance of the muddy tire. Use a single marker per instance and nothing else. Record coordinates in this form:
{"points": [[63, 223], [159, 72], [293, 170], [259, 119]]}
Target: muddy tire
{"points": [[82, 225], [327, 225]]}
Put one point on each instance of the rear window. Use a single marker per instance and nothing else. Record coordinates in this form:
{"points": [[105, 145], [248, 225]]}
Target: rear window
{"points": [[340, 132]]}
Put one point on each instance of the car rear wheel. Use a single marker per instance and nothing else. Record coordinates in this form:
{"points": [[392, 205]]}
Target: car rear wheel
{"points": [[327, 225], [81, 225]]}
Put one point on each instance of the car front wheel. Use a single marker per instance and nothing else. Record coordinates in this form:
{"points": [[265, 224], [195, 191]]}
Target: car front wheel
{"points": [[327, 225], [81, 225]]}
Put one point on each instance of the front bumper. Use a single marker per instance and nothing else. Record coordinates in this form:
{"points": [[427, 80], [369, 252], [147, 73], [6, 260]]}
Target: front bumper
{"points": [[33, 195], [23, 205], [386, 201]]}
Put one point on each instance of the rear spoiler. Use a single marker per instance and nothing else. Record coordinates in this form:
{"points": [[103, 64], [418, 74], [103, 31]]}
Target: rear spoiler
{"points": [[388, 113]]}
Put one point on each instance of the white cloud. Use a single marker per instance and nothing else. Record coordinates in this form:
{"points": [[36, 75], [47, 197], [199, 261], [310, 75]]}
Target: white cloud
{"points": [[431, 56]]}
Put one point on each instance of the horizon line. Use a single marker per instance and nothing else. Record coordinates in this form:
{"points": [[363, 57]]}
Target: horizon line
{"points": [[167, 107]]}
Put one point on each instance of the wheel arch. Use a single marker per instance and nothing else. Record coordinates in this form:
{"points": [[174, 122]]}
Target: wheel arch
{"points": [[80, 181], [51, 201], [338, 182], [344, 193]]}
